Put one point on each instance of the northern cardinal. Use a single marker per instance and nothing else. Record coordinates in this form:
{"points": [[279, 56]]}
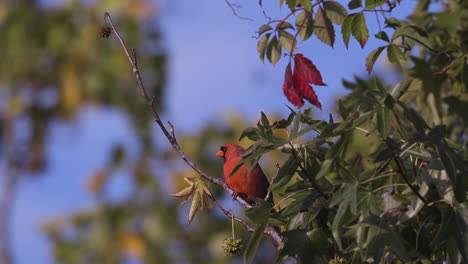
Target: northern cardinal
{"points": [[248, 185]]}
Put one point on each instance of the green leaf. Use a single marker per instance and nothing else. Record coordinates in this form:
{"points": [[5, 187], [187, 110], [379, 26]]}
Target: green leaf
{"points": [[285, 173], [251, 133], [449, 165], [392, 23], [255, 155], [337, 222], [287, 41], [307, 4], [346, 28], [372, 57], [359, 29], [284, 25], [383, 36], [291, 4], [296, 125], [377, 245], [371, 4], [335, 11], [305, 130], [307, 245], [260, 213], [302, 202], [264, 120], [383, 120], [273, 51], [254, 242], [264, 28], [284, 123], [323, 28], [305, 25], [262, 45], [400, 88], [394, 54], [324, 169], [412, 35], [353, 4]]}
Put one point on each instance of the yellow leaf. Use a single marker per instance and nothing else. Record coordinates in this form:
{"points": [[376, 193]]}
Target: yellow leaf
{"points": [[70, 89], [185, 192], [195, 205], [133, 246]]}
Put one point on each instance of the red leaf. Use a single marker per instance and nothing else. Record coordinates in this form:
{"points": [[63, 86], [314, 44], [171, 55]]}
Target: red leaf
{"points": [[290, 90], [304, 90], [305, 68]]}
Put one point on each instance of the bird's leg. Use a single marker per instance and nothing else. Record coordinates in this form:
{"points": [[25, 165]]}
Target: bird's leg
{"points": [[234, 195]]}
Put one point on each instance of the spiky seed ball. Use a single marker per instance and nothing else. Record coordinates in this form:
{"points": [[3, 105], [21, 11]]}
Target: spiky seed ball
{"points": [[231, 246], [105, 32]]}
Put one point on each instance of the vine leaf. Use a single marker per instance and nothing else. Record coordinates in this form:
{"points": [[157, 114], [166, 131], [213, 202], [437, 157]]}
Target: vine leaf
{"points": [[323, 28], [372, 57], [359, 29], [335, 11], [346, 29], [273, 51]]}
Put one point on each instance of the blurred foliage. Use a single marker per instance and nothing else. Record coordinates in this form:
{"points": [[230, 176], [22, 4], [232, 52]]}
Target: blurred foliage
{"points": [[54, 61]]}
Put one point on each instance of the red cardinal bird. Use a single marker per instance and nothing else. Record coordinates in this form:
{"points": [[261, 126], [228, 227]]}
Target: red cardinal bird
{"points": [[248, 185]]}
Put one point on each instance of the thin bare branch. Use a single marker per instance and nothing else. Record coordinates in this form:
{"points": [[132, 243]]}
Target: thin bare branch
{"points": [[274, 234], [234, 11]]}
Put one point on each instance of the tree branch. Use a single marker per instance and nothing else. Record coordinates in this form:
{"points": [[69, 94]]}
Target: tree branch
{"points": [[170, 135], [9, 188]]}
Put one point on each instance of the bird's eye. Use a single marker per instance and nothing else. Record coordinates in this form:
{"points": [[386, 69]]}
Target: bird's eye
{"points": [[223, 149]]}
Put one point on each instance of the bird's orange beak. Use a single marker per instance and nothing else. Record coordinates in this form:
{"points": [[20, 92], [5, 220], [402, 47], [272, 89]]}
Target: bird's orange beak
{"points": [[220, 153]]}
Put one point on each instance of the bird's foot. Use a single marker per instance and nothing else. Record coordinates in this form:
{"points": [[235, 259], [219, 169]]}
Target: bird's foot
{"points": [[234, 196]]}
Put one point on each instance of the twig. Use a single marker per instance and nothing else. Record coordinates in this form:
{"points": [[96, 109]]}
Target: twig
{"points": [[235, 12], [270, 231], [172, 140], [448, 67], [230, 215], [378, 10], [405, 179]]}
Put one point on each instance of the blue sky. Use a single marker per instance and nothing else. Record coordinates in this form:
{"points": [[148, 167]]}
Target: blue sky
{"points": [[213, 69]]}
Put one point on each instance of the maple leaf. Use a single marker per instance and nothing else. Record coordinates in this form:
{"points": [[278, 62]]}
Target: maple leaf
{"points": [[307, 70], [198, 192], [289, 88], [304, 90], [296, 86]]}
